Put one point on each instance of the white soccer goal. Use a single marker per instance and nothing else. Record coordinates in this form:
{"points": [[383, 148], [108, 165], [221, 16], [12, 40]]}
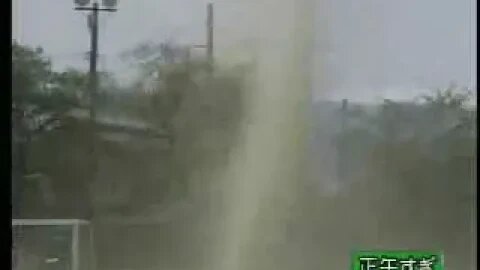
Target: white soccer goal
{"points": [[51, 244]]}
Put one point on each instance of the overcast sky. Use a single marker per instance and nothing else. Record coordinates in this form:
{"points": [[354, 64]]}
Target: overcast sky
{"points": [[374, 48]]}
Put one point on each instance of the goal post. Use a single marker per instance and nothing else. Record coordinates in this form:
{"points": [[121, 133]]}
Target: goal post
{"points": [[52, 244]]}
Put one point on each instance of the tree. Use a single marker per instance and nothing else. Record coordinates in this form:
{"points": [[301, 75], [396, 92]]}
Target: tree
{"points": [[30, 73], [436, 161], [191, 105], [453, 96], [40, 97], [150, 57], [37, 90], [164, 75], [70, 80]]}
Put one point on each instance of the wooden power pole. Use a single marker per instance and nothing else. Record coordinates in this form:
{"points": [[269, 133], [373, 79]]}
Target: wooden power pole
{"points": [[93, 82], [210, 33], [93, 78], [209, 42]]}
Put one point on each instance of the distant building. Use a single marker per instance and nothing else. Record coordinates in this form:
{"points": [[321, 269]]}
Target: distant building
{"points": [[132, 164]]}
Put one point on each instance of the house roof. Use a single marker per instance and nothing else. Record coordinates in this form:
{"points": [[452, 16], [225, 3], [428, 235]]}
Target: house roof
{"points": [[118, 126]]}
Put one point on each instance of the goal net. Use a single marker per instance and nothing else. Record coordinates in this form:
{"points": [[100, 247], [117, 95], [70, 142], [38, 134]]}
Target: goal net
{"points": [[51, 244]]}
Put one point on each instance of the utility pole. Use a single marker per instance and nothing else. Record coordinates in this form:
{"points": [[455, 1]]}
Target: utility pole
{"points": [[93, 76], [93, 82], [209, 44], [342, 146], [109, 6], [344, 113], [210, 33]]}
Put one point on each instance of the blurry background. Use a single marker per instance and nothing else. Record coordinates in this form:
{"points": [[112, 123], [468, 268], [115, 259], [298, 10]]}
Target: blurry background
{"points": [[393, 121]]}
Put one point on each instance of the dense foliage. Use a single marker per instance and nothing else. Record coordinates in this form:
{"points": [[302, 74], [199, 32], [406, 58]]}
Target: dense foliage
{"points": [[413, 180]]}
